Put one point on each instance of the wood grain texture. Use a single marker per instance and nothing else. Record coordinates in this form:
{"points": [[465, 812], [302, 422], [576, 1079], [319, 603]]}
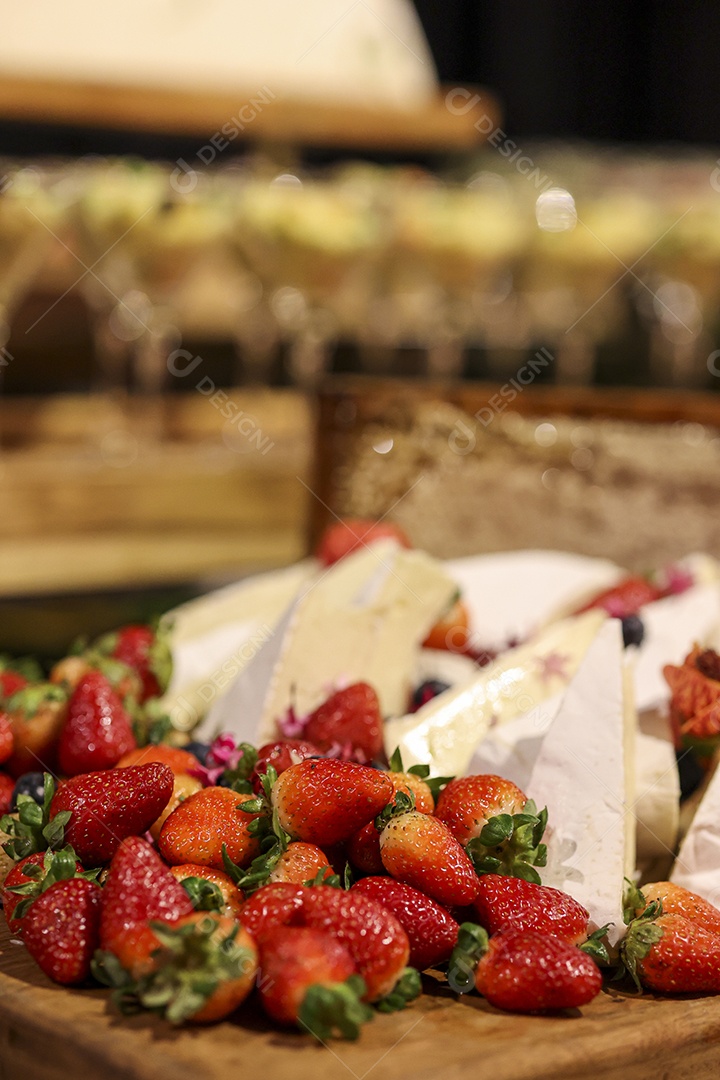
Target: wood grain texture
{"points": [[49, 1033], [431, 127]]}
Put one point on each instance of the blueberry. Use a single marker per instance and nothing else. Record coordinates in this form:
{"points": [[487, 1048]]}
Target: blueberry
{"points": [[32, 784], [199, 749], [427, 691], [633, 630]]}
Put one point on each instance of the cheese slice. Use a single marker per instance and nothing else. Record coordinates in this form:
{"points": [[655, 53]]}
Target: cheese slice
{"points": [[214, 636], [511, 594], [362, 619], [697, 866], [580, 775], [446, 731], [511, 750]]}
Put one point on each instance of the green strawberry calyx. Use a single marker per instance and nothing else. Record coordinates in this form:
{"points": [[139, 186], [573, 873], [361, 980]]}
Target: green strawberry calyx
{"points": [[266, 828], [642, 932], [329, 1010], [189, 966], [595, 945], [56, 866], [402, 803], [31, 830], [472, 944], [31, 699], [406, 989], [511, 844], [435, 783], [204, 895]]}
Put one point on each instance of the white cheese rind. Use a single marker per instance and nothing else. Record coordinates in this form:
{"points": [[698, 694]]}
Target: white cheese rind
{"points": [[446, 731], [363, 619], [580, 775], [697, 866]]}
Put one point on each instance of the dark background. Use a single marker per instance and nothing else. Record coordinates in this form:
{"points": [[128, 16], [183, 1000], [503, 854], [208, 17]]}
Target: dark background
{"points": [[619, 70]]}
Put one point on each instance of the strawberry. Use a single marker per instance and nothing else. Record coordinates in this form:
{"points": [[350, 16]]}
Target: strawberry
{"points": [[364, 847], [30, 878], [71, 670], [11, 682], [36, 714], [277, 904], [350, 719], [97, 730], [143, 650], [300, 863], [496, 823], [672, 954], [527, 971], [324, 801], [7, 787], [281, 754], [625, 598], [139, 887], [108, 806], [505, 903], [309, 978], [451, 632], [61, 930], [431, 929], [420, 850], [199, 968], [209, 890], [676, 900], [183, 788], [180, 761], [373, 936], [202, 826], [343, 537]]}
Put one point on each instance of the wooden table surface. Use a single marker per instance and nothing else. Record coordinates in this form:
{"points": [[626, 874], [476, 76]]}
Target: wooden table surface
{"points": [[50, 1033]]}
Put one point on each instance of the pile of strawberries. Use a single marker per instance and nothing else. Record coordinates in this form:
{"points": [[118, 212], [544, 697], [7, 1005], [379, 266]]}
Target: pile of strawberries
{"points": [[308, 872]]}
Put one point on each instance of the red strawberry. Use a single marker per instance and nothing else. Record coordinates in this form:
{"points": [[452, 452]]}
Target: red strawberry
{"points": [[61, 930], [673, 955], [299, 863], [109, 806], [97, 730], [139, 888], [343, 537], [200, 826], [451, 632], [430, 928], [350, 718], [526, 971], [364, 847], [71, 670], [420, 850], [199, 968], [11, 682], [468, 802], [182, 762], [7, 786], [297, 962], [324, 801], [625, 598], [36, 714], [281, 755], [277, 904], [145, 652], [676, 900], [505, 903], [32, 876], [371, 933]]}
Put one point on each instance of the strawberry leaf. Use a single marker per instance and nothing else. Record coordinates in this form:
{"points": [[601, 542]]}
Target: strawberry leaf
{"points": [[401, 804], [339, 1009], [322, 877], [643, 932], [32, 830], [471, 946], [510, 844], [204, 895], [406, 989], [395, 763], [596, 946], [436, 784], [634, 901]]}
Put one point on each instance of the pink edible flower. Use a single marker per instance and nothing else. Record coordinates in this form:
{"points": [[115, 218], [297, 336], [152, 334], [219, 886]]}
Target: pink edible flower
{"points": [[223, 754]]}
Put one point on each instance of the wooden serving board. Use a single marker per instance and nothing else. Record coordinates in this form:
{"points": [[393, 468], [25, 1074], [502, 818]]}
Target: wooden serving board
{"points": [[50, 1033]]}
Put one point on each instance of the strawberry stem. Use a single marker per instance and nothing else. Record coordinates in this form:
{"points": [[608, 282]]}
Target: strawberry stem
{"points": [[472, 944], [406, 989], [511, 844]]}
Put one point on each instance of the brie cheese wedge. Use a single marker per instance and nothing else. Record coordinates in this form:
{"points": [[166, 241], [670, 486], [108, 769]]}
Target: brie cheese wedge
{"points": [[697, 866], [446, 731], [581, 776], [362, 619]]}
